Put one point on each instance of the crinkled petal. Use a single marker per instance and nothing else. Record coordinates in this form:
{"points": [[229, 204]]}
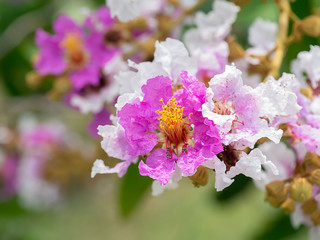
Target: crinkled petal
{"points": [[222, 180], [114, 142], [263, 34], [174, 57], [176, 176], [310, 137], [99, 168], [250, 165], [64, 25], [190, 161], [51, 56], [277, 97], [158, 166]]}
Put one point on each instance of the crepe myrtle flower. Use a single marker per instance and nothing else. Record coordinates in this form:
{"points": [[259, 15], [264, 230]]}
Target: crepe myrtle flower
{"points": [[235, 110], [206, 42], [73, 51], [166, 129]]}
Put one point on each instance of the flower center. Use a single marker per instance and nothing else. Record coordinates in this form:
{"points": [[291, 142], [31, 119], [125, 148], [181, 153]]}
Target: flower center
{"points": [[221, 108], [74, 49], [174, 127]]}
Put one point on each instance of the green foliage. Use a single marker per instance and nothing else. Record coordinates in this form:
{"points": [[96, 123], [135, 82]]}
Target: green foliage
{"points": [[279, 227], [132, 189], [11, 208], [238, 187]]}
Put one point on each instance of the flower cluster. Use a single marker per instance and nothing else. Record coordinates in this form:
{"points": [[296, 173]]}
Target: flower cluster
{"points": [[184, 109], [38, 163]]}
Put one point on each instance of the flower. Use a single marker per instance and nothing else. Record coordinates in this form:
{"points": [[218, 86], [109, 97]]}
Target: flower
{"points": [[170, 58], [235, 110], [127, 10], [307, 62], [81, 56], [206, 42], [262, 38], [167, 129]]}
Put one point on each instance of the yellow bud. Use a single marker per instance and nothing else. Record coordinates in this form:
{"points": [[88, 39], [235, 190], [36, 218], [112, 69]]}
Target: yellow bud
{"points": [[139, 23], [288, 206], [301, 190], [165, 24], [309, 206], [34, 79], [148, 46], [200, 178], [315, 217], [311, 25], [61, 86], [311, 160], [276, 193], [315, 177]]}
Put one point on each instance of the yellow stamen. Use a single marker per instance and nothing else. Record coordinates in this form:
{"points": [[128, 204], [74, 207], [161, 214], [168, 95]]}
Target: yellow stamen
{"points": [[171, 114], [74, 49], [72, 42], [172, 122]]}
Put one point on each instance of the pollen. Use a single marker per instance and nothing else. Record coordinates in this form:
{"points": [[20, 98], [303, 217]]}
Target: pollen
{"points": [[172, 122], [171, 114], [74, 48]]}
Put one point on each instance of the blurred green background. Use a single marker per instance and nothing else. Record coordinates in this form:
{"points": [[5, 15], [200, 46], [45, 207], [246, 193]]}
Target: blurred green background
{"points": [[112, 208]]}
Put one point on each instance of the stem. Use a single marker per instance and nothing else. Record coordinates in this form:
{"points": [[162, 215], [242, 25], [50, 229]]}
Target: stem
{"points": [[285, 10]]}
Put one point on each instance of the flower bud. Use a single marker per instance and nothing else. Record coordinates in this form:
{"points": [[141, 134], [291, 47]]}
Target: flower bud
{"points": [[315, 177], [34, 79], [300, 190], [311, 160], [61, 86], [315, 217], [200, 178], [288, 205], [165, 24], [139, 23], [148, 46], [311, 25], [276, 193], [309, 206]]}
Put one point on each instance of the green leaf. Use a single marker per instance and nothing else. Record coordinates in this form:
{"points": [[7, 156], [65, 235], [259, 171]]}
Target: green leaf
{"points": [[11, 208], [133, 188], [240, 185]]}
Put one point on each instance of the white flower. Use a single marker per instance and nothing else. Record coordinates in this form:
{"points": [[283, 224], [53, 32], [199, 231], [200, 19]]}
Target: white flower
{"points": [[278, 97], [282, 157], [308, 63], [170, 58], [263, 34], [216, 25], [127, 10], [249, 165]]}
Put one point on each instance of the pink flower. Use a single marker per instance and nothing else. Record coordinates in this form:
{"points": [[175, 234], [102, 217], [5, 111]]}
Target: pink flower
{"points": [[73, 51], [235, 110], [168, 128]]}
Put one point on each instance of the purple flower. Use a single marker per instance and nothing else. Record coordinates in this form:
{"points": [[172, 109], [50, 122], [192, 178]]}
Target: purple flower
{"points": [[73, 51], [169, 128]]}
